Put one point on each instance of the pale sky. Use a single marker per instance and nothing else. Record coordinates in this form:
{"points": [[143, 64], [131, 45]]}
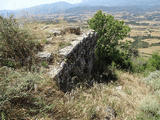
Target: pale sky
{"points": [[18, 4]]}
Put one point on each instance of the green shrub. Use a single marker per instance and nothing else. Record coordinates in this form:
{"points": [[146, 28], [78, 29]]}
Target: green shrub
{"points": [[150, 109], [108, 48], [146, 65], [144, 116], [16, 89], [44, 64], [153, 80], [17, 47], [150, 105], [155, 44], [125, 56], [153, 62], [139, 65], [140, 44]]}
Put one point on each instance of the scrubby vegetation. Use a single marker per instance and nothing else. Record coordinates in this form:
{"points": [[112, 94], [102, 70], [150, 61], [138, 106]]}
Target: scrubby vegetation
{"points": [[150, 108], [108, 48], [27, 95], [140, 44], [150, 105], [17, 46], [16, 93], [17, 56], [30, 94], [142, 65]]}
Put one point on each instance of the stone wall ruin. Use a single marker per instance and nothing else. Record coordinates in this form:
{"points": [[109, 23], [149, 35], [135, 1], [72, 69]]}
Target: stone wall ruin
{"points": [[78, 61]]}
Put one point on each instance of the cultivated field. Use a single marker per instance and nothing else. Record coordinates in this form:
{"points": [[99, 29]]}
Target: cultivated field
{"points": [[145, 28]]}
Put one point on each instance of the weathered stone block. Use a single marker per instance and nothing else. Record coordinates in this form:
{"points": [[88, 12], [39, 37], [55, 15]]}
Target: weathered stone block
{"points": [[78, 65]]}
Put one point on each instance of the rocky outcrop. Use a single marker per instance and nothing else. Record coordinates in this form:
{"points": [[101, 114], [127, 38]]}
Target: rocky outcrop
{"points": [[72, 30], [45, 56], [78, 60], [55, 32], [110, 113], [68, 30]]}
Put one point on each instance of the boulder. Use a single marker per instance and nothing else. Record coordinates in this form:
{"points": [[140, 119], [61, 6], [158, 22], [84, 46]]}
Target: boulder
{"points": [[73, 30], [65, 51], [45, 56], [55, 32], [119, 88], [45, 27], [110, 113]]}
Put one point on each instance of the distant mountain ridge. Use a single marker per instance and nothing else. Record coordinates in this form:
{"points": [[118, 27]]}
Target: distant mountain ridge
{"points": [[50, 8], [112, 3], [65, 7], [57, 7]]}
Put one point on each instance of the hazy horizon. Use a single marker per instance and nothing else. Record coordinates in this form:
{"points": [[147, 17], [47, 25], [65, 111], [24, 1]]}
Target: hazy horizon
{"points": [[20, 4]]}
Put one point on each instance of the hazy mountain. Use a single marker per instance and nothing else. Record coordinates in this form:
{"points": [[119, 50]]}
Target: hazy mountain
{"points": [[121, 2], [85, 5], [6, 13], [57, 7], [49, 8]]}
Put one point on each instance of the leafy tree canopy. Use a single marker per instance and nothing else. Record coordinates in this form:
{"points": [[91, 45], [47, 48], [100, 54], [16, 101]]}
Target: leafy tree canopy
{"points": [[110, 31]]}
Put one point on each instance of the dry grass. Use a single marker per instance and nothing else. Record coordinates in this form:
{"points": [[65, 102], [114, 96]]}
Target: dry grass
{"points": [[135, 33], [128, 39], [155, 34], [149, 51], [124, 97], [43, 33], [151, 41], [35, 29], [90, 103]]}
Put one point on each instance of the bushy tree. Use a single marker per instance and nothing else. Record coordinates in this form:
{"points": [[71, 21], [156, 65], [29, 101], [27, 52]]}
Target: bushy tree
{"points": [[17, 47], [109, 48]]}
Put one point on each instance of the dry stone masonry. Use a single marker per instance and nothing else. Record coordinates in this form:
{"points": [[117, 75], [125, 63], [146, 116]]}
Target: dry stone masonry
{"points": [[77, 64]]}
